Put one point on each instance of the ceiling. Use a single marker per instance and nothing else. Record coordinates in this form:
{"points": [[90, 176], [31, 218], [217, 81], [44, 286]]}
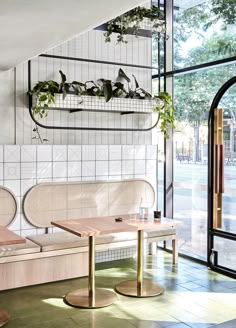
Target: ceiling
{"points": [[28, 28]]}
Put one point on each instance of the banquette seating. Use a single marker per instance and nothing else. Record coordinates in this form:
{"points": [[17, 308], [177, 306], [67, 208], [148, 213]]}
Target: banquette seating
{"points": [[57, 255]]}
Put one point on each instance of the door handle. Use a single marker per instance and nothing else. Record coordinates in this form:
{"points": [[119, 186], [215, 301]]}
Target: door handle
{"points": [[219, 169]]}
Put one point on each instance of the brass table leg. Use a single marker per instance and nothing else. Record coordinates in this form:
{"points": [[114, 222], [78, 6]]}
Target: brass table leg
{"points": [[4, 317], [91, 297], [140, 287]]}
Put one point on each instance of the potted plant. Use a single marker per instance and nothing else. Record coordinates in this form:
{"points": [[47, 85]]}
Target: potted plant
{"points": [[131, 23], [76, 96]]}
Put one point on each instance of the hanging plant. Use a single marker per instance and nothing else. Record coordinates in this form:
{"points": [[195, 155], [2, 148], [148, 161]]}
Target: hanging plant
{"points": [[166, 112], [122, 87], [130, 23]]}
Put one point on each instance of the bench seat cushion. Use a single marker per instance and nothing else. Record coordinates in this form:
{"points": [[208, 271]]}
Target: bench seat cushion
{"points": [[126, 236], [160, 232], [63, 240], [19, 249]]}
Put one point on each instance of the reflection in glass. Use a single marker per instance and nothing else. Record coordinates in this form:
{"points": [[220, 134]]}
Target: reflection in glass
{"points": [[203, 31], [226, 252]]}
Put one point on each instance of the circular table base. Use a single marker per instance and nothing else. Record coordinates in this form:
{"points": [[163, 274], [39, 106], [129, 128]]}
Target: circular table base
{"points": [[80, 298], [129, 288], [4, 317]]}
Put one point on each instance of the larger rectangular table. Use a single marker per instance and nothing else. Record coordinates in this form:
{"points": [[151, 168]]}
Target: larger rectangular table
{"points": [[92, 297], [8, 237]]}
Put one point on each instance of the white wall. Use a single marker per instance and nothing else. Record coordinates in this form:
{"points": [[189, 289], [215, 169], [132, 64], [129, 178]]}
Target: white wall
{"points": [[7, 108], [91, 45], [114, 155], [21, 167]]}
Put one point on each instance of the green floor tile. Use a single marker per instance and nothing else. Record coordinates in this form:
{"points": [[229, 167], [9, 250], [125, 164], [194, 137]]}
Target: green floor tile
{"points": [[194, 297]]}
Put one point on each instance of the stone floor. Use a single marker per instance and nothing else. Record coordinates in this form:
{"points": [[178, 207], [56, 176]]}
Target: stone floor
{"points": [[194, 297]]}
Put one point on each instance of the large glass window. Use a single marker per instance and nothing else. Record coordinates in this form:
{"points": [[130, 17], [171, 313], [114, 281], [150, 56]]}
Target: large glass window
{"points": [[204, 31]]}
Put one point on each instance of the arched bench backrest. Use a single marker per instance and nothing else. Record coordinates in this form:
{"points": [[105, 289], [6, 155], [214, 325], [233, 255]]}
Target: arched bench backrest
{"points": [[73, 200], [8, 206]]}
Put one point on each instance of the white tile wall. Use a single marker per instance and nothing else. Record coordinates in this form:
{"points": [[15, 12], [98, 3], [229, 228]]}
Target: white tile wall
{"points": [[12, 154], [74, 153], [59, 153], [1, 154], [28, 153], [1, 171], [44, 153], [11, 171], [44, 163]]}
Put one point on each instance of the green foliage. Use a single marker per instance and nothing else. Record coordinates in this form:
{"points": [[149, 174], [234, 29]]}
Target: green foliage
{"points": [[225, 9], [123, 87], [195, 91], [129, 23], [45, 93], [166, 112]]}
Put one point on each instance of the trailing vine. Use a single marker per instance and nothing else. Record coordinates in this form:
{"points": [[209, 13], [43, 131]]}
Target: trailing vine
{"points": [[129, 23], [122, 87]]}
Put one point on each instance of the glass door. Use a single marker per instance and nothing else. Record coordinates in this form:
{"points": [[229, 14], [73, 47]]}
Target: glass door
{"points": [[222, 224]]}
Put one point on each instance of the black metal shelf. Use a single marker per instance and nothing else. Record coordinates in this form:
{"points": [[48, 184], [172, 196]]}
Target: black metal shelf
{"points": [[73, 110]]}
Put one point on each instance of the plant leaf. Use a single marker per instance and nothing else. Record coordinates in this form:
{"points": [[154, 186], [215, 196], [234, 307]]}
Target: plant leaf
{"points": [[136, 82], [107, 88], [63, 76], [122, 75]]}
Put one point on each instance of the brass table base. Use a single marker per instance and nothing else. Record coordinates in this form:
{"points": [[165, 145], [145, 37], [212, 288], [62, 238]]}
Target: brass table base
{"points": [[129, 288], [4, 317], [81, 298]]}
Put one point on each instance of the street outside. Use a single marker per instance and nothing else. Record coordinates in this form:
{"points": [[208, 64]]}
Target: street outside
{"points": [[190, 207]]}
